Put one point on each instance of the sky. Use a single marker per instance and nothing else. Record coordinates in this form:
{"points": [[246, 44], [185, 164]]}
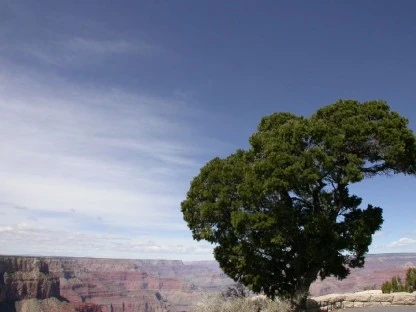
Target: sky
{"points": [[109, 109]]}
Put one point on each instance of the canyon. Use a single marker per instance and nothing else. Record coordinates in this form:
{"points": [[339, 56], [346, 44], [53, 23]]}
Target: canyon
{"points": [[127, 285]]}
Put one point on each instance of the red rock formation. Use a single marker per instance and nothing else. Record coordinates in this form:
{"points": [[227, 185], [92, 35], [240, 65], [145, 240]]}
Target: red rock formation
{"points": [[25, 264], [167, 284], [109, 285], [87, 307], [26, 285], [26, 278], [377, 269], [117, 285]]}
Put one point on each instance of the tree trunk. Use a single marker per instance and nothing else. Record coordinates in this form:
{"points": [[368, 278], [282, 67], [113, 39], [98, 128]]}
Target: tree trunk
{"points": [[299, 299]]}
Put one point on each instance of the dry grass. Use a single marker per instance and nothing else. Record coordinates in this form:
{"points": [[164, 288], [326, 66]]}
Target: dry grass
{"points": [[216, 303]]}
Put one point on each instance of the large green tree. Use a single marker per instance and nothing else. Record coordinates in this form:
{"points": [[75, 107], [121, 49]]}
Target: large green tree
{"points": [[280, 214]]}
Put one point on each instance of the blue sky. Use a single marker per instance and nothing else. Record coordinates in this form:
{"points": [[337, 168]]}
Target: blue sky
{"points": [[110, 108]]}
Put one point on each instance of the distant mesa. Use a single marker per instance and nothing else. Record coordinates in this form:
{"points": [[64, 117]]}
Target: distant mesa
{"points": [[408, 265]]}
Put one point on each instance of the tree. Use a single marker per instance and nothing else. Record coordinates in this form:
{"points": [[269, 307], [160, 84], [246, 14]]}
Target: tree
{"points": [[280, 213], [386, 287], [411, 279]]}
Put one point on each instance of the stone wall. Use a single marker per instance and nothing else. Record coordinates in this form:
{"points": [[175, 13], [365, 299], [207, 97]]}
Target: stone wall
{"points": [[371, 298]]}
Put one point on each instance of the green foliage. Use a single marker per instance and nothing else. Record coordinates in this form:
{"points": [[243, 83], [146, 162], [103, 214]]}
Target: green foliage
{"points": [[386, 287], [396, 284], [411, 280], [280, 213]]}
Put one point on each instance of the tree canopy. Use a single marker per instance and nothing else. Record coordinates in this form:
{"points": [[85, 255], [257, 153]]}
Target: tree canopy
{"points": [[280, 213]]}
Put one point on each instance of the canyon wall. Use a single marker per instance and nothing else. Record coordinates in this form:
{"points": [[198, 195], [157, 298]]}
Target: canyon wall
{"points": [[136, 285], [27, 285], [378, 268], [113, 285], [118, 285], [22, 279]]}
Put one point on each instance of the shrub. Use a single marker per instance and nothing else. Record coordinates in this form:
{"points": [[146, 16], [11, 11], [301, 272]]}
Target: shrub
{"points": [[237, 291], [386, 287], [411, 279], [396, 284], [217, 303]]}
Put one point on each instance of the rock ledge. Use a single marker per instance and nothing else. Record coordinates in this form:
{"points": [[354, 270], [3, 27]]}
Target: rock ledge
{"points": [[370, 298]]}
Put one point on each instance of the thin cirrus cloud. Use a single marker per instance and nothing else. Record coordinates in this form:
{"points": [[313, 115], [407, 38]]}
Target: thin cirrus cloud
{"points": [[98, 161], [60, 241], [404, 243], [105, 47], [81, 50], [89, 169]]}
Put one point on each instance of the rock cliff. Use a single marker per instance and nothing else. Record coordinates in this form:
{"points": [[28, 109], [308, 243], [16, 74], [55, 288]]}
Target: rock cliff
{"points": [[111, 285], [135, 285], [27, 285], [84, 284], [378, 268], [23, 278]]}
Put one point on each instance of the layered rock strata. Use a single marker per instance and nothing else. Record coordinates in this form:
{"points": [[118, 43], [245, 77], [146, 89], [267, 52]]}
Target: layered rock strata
{"points": [[377, 269], [136, 285], [27, 285], [22, 279], [110, 285]]}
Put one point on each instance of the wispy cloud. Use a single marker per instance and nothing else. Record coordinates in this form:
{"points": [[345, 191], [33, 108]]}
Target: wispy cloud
{"points": [[110, 155], [97, 47], [89, 167], [68, 42], [10, 205], [83, 51], [48, 241], [404, 243]]}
